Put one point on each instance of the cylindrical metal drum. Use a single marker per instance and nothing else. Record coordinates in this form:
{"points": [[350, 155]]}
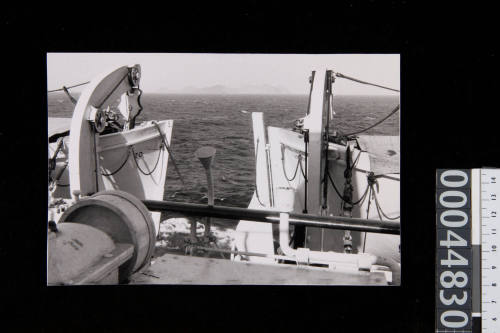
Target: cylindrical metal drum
{"points": [[73, 250], [124, 218]]}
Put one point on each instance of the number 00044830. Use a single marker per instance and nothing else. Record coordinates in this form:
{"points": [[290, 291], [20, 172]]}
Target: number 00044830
{"points": [[453, 285]]}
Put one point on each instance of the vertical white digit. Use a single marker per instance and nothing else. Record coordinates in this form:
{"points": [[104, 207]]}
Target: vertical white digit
{"points": [[453, 194], [453, 183]]}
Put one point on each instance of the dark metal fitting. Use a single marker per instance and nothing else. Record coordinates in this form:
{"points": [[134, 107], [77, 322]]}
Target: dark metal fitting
{"points": [[53, 226]]}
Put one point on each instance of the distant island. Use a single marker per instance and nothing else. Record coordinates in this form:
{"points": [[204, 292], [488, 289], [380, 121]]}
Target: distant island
{"points": [[224, 90]]}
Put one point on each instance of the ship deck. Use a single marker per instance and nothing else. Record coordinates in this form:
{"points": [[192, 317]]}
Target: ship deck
{"points": [[183, 269]]}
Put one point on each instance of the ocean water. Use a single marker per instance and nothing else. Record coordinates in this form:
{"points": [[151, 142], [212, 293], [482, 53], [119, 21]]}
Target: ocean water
{"points": [[224, 122]]}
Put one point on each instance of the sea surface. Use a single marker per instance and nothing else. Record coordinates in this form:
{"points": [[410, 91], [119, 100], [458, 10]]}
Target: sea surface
{"points": [[224, 122]]}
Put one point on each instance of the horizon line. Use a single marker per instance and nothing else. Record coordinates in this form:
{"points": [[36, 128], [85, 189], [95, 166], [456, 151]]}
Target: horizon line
{"points": [[230, 94]]}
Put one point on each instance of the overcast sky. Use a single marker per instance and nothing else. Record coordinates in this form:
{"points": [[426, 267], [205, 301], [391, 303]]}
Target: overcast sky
{"points": [[167, 72]]}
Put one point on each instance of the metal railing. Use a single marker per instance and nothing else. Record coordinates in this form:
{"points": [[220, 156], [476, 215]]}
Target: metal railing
{"points": [[273, 216]]}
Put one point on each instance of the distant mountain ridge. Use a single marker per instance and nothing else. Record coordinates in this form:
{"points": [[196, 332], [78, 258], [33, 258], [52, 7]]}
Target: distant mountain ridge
{"points": [[220, 89]]}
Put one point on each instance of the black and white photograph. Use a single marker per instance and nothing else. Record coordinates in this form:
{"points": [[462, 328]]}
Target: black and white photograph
{"points": [[223, 169], [267, 167]]}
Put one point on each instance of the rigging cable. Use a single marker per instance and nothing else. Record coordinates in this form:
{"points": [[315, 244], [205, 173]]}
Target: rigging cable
{"points": [[131, 149], [380, 211], [303, 171], [372, 180], [141, 155], [342, 76], [335, 187], [120, 167], [363, 196], [377, 123], [367, 215], [384, 175], [299, 159], [58, 177], [167, 145], [73, 86]]}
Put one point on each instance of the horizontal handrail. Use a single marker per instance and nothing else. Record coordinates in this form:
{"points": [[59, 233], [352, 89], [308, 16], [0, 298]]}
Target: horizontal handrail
{"points": [[273, 216]]}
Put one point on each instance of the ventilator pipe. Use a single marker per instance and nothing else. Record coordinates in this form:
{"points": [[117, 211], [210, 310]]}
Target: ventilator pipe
{"points": [[363, 260], [206, 155]]}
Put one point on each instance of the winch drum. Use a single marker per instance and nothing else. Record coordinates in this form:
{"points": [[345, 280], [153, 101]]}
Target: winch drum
{"points": [[124, 218]]}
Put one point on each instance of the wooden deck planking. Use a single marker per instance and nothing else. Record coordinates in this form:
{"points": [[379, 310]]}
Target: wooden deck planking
{"points": [[180, 269]]}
